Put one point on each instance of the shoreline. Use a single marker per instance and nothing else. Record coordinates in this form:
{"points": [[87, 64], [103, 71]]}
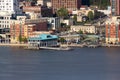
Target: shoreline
{"points": [[62, 45], [14, 45], [92, 45]]}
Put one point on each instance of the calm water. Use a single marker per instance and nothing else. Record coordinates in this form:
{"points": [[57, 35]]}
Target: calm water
{"points": [[79, 64]]}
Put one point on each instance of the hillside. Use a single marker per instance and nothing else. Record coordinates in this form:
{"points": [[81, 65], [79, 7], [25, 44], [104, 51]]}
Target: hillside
{"points": [[102, 4]]}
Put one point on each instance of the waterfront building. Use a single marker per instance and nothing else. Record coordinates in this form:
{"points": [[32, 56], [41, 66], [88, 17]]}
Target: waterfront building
{"points": [[25, 28], [113, 30], [83, 28], [68, 4], [75, 38], [43, 40], [115, 7]]}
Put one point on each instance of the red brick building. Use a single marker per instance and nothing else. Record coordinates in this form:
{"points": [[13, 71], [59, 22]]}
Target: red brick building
{"points": [[68, 4], [25, 28], [112, 32]]}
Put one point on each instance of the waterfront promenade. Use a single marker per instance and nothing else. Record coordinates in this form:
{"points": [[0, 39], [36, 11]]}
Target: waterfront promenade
{"points": [[14, 45], [62, 45], [83, 45]]}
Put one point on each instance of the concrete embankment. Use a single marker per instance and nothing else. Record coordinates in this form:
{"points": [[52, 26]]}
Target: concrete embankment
{"points": [[72, 45], [16, 45]]}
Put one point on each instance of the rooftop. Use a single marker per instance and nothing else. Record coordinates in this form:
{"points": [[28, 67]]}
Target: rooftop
{"points": [[43, 37]]}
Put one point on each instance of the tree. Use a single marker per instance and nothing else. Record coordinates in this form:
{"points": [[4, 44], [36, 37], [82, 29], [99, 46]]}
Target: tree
{"points": [[102, 4], [75, 18], [62, 12], [24, 39], [62, 40], [80, 32], [90, 15], [20, 38]]}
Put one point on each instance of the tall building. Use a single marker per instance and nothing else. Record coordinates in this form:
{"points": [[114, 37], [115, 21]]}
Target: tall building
{"points": [[9, 6], [115, 6], [118, 7], [113, 30], [7, 9], [68, 4]]}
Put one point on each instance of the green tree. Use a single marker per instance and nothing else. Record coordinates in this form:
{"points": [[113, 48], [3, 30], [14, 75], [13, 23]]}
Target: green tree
{"points": [[75, 18], [102, 4], [80, 32], [62, 12], [20, 38], [24, 39], [62, 40], [90, 15]]}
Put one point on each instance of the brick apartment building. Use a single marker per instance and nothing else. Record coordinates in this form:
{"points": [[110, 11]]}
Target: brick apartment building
{"points": [[113, 32], [68, 4], [25, 28]]}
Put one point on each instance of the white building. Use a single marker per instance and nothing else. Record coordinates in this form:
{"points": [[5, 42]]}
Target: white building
{"points": [[84, 28], [40, 2], [68, 21], [7, 9], [53, 22], [4, 22], [9, 6]]}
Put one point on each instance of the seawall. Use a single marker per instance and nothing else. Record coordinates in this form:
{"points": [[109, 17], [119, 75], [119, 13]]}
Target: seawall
{"points": [[17, 45]]}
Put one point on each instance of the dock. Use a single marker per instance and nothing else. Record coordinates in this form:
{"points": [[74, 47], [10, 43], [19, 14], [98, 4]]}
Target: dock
{"points": [[73, 45], [56, 48], [14, 45], [51, 48]]}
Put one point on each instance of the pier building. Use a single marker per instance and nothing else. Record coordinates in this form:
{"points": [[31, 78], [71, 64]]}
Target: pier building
{"points": [[42, 40]]}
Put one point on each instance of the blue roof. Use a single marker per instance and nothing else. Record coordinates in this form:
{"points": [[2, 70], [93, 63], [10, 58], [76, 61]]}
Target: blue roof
{"points": [[44, 37]]}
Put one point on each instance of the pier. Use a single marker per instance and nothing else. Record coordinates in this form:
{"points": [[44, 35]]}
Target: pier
{"points": [[56, 48], [14, 45]]}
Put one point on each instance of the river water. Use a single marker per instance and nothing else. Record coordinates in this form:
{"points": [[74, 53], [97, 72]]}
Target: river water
{"points": [[78, 64]]}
